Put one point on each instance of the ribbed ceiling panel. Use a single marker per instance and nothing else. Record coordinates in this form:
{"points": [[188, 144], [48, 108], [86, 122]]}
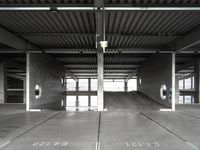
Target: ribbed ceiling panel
{"points": [[48, 22]]}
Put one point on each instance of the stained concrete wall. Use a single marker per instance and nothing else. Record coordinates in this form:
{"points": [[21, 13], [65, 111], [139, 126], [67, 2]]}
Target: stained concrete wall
{"points": [[154, 72], [46, 71]]}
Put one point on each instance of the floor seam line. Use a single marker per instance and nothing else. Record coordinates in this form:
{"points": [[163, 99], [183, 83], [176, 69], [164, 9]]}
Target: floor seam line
{"points": [[186, 114], [179, 137], [27, 131], [98, 133]]}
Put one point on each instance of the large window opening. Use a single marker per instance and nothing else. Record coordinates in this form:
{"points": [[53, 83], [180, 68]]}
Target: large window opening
{"points": [[116, 85], [186, 89], [132, 85], [83, 85], [82, 95], [93, 84], [71, 85]]}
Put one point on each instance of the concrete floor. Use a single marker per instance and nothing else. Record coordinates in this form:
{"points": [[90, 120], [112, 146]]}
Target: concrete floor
{"points": [[132, 122]]}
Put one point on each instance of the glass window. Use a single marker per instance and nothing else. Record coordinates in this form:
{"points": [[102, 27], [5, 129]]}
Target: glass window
{"points": [[93, 101], [188, 99], [71, 101], [93, 84], [180, 84], [114, 85], [188, 83], [71, 85], [132, 85], [83, 101], [180, 99], [83, 84]]}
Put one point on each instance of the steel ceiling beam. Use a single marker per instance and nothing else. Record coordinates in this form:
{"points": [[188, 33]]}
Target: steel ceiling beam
{"points": [[71, 74], [12, 40], [59, 8], [186, 42], [107, 34], [13, 64], [15, 76], [130, 76], [13, 4]]}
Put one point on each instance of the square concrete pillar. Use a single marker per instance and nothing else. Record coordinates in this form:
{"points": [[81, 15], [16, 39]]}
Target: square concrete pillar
{"points": [[197, 82], [125, 85], [24, 91], [100, 78], [177, 90], [3, 83], [89, 89]]}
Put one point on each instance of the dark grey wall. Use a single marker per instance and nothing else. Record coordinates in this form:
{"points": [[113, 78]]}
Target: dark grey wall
{"points": [[154, 72], [47, 72]]}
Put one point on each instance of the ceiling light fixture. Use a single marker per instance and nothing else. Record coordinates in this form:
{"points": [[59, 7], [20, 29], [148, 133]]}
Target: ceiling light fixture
{"points": [[104, 44]]}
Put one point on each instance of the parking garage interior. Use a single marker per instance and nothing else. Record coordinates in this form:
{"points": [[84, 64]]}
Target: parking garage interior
{"points": [[99, 74]]}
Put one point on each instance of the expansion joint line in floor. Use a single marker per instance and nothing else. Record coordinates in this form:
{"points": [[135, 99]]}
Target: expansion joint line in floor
{"points": [[183, 113], [27, 131], [98, 133], [176, 135]]}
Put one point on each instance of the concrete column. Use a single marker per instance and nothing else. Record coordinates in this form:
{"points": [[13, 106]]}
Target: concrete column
{"points": [[125, 85], [77, 89], [89, 89], [197, 82], [100, 77], [3, 83], [24, 91], [173, 81], [177, 90], [27, 81]]}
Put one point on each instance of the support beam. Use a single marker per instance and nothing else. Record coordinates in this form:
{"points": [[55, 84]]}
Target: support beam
{"points": [[100, 77], [99, 18], [3, 82], [131, 75], [197, 82], [125, 85], [188, 41], [10, 39], [24, 91], [28, 82], [68, 8], [107, 34], [77, 89], [173, 90], [71, 75], [15, 76], [89, 89], [185, 65], [13, 64]]}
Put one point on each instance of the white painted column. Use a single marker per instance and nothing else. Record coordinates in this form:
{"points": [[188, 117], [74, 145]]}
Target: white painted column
{"points": [[173, 82], [27, 82]]}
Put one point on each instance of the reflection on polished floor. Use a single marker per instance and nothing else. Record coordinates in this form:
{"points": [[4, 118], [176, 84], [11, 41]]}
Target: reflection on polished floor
{"points": [[131, 122]]}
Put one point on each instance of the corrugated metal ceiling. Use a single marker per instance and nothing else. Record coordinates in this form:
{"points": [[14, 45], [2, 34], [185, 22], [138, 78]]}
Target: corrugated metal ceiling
{"points": [[74, 32]]}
